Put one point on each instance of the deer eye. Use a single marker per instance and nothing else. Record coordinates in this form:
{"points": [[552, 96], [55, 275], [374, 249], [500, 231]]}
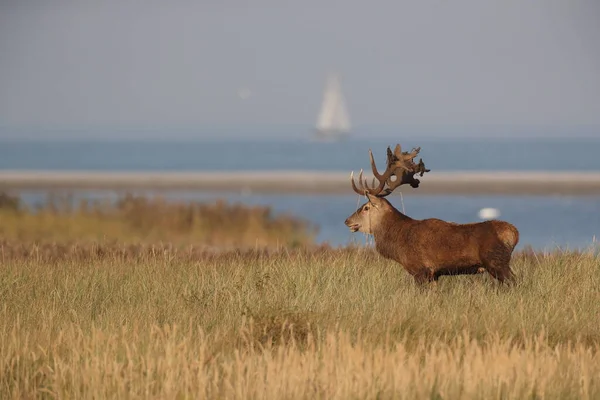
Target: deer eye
{"points": [[366, 208]]}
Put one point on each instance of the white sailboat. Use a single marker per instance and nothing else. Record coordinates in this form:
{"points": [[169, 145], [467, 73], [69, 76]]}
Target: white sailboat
{"points": [[333, 122]]}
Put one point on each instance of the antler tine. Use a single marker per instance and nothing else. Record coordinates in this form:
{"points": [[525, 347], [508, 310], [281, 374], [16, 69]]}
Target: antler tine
{"points": [[357, 190], [382, 178], [374, 167], [361, 184], [410, 156], [365, 183]]}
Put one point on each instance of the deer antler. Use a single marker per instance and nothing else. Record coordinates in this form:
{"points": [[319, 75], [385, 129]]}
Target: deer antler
{"points": [[400, 165]]}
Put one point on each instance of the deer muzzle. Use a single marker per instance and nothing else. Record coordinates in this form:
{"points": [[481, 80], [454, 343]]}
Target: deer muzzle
{"points": [[352, 225]]}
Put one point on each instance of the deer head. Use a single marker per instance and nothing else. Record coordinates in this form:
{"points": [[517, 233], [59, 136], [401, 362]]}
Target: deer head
{"points": [[400, 165]]}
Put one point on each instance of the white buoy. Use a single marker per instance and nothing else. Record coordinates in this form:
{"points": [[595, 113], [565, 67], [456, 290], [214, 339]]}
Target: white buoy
{"points": [[489, 213]]}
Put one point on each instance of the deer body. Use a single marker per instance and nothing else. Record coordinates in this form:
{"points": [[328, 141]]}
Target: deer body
{"points": [[430, 248]]}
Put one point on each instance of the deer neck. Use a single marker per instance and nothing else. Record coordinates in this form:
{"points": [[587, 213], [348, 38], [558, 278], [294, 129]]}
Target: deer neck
{"points": [[389, 236]]}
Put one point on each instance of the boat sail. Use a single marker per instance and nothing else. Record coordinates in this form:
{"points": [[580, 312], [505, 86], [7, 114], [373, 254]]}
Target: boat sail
{"points": [[333, 121]]}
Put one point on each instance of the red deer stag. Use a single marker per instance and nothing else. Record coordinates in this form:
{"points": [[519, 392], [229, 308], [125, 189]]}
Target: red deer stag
{"points": [[428, 248]]}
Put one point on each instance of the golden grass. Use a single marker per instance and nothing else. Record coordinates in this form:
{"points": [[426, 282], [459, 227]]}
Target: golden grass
{"points": [[112, 321], [135, 219]]}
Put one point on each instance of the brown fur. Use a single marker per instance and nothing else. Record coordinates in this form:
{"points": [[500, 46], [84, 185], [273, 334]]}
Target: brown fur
{"points": [[431, 248]]}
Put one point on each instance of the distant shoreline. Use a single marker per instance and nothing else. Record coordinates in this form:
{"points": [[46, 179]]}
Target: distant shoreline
{"points": [[307, 182]]}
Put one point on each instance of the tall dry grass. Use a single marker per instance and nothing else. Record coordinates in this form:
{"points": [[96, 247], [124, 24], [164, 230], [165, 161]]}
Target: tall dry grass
{"points": [[111, 321], [139, 219]]}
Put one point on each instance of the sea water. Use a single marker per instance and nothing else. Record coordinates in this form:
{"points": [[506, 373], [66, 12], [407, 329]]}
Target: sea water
{"points": [[544, 221]]}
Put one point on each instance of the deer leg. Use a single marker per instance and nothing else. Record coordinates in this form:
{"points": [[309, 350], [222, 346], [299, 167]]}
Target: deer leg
{"points": [[509, 276], [424, 276], [502, 273], [497, 273], [498, 265]]}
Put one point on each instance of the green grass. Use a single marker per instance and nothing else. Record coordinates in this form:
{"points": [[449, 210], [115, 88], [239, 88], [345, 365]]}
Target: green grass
{"points": [[114, 321]]}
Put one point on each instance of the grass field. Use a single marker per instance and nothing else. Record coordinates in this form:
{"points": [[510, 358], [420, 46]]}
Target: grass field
{"points": [[139, 219], [156, 321]]}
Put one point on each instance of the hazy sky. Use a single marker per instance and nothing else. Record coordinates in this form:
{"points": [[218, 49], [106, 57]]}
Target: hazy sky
{"points": [[440, 65]]}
